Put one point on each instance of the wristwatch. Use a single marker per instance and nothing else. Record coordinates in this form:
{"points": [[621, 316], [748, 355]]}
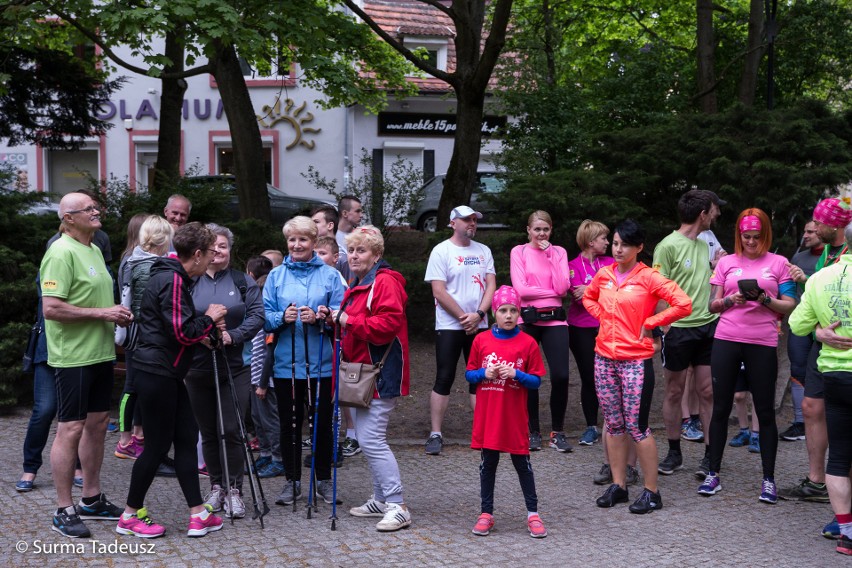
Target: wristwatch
{"points": [[481, 314], [766, 300]]}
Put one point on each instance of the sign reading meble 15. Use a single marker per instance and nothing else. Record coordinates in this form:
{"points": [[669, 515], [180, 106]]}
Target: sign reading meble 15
{"points": [[425, 124]]}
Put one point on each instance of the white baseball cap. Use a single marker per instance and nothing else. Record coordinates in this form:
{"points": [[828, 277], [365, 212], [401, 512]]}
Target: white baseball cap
{"points": [[463, 211]]}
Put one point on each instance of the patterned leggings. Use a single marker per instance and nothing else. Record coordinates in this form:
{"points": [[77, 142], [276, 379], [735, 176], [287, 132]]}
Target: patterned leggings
{"points": [[624, 395]]}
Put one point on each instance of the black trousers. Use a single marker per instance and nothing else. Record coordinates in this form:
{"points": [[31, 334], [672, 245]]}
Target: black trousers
{"points": [[838, 417], [488, 476], [581, 340], [553, 341], [169, 420], [291, 441]]}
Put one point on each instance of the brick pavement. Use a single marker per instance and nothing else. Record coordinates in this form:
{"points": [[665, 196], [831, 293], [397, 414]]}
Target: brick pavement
{"points": [[729, 529]]}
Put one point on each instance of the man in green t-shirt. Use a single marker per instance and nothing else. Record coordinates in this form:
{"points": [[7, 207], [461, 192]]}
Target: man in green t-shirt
{"points": [[685, 259], [80, 317]]}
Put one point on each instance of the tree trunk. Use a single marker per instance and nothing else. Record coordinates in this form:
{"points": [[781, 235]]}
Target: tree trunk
{"points": [[167, 168], [245, 134], [705, 51], [461, 174], [754, 53]]}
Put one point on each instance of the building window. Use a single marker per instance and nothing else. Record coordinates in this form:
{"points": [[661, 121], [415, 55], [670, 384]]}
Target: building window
{"points": [[69, 171], [432, 50]]}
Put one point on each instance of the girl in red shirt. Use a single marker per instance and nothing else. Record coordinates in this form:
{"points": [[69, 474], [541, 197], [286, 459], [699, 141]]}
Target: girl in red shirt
{"points": [[504, 363]]}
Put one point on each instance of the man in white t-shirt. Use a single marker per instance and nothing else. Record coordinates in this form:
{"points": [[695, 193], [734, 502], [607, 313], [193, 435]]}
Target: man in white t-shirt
{"points": [[349, 211], [461, 272]]}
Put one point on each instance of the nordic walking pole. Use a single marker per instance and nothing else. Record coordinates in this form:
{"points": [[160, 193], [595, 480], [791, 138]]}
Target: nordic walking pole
{"points": [[254, 479], [335, 421], [216, 342], [296, 456], [313, 426], [314, 434]]}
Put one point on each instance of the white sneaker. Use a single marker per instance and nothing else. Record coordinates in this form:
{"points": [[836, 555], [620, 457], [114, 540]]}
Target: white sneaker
{"points": [[234, 499], [397, 517], [215, 498], [371, 508]]}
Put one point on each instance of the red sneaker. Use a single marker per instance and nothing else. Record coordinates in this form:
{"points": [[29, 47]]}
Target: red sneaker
{"points": [[204, 522], [536, 527], [484, 524]]}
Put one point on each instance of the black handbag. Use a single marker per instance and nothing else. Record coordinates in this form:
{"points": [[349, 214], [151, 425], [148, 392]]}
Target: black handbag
{"points": [[28, 362]]}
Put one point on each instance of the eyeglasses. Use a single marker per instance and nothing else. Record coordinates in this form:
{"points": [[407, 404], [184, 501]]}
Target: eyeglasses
{"points": [[89, 209]]}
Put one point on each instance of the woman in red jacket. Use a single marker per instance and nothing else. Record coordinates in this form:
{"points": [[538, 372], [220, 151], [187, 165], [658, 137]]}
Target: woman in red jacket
{"points": [[623, 298], [374, 322]]}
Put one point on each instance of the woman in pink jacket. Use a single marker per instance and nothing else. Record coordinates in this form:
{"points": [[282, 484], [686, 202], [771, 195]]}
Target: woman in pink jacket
{"points": [[540, 276]]}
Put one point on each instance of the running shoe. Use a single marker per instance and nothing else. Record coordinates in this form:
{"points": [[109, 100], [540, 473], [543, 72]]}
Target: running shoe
{"points": [[484, 524], [684, 425], [325, 490], [350, 447], [166, 468], [671, 463], [831, 530], [272, 469], [604, 476], [68, 523], [703, 468], [712, 485], [632, 475], [796, 431], [371, 508], [693, 432], [768, 492], [536, 527], [78, 481], [127, 452], [140, 524], [754, 445], [535, 441], [613, 495], [234, 502], [434, 445], [286, 496], [397, 516], [254, 444], [202, 471], [204, 522], [806, 490], [743, 438], [215, 498], [590, 436], [25, 486], [647, 502], [262, 462], [559, 441], [112, 427], [100, 510], [844, 545]]}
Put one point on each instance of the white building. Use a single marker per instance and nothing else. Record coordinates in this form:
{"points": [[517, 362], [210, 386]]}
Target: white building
{"points": [[296, 132]]}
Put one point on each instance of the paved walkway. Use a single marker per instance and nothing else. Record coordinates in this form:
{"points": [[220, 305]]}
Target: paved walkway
{"points": [[729, 529]]}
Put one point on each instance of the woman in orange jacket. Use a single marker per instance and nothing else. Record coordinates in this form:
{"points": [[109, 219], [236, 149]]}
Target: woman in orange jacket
{"points": [[623, 298]]}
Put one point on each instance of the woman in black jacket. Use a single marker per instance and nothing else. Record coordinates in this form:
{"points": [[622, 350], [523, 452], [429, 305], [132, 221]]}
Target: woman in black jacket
{"points": [[169, 330]]}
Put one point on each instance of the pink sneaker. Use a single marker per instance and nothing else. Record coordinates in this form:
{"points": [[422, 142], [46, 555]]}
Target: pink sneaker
{"points": [[536, 527], [140, 525], [199, 526], [139, 443], [128, 452]]}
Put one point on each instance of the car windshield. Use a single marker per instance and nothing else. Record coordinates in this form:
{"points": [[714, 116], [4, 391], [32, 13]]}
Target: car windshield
{"points": [[491, 184]]}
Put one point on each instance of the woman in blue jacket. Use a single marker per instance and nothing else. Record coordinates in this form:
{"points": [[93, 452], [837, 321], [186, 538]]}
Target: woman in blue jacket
{"points": [[297, 297]]}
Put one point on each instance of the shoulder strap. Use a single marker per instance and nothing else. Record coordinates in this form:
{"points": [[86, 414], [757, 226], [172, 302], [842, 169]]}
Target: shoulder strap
{"points": [[240, 281]]}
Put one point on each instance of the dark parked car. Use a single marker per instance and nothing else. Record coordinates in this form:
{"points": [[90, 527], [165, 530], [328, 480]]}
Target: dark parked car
{"points": [[283, 206], [489, 183]]}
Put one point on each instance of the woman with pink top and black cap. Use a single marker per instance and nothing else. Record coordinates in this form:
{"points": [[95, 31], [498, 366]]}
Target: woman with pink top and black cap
{"points": [[752, 289], [540, 276]]}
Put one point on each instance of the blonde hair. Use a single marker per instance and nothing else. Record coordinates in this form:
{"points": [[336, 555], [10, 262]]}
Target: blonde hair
{"points": [[590, 230], [300, 225], [541, 216], [155, 235], [369, 236]]}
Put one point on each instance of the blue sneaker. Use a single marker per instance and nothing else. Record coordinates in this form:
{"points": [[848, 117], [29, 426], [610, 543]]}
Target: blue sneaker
{"points": [[768, 492], [754, 444], [590, 436], [693, 432], [272, 469], [262, 462], [831, 530], [743, 438], [712, 485]]}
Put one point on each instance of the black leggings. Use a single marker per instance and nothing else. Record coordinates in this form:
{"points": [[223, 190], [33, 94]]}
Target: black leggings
{"points": [[449, 344], [127, 415], [488, 475], [165, 407], [761, 365], [554, 340], [581, 340], [838, 417], [291, 450]]}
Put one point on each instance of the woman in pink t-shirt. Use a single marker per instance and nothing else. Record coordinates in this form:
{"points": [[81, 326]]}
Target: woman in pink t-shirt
{"points": [[751, 289], [583, 328], [540, 276]]}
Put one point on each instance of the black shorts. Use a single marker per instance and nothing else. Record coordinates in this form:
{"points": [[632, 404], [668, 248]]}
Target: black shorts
{"points": [[449, 345], [813, 378], [685, 346], [81, 390]]}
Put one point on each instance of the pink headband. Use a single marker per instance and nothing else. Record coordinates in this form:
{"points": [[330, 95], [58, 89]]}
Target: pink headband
{"points": [[505, 295], [749, 223], [833, 212]]}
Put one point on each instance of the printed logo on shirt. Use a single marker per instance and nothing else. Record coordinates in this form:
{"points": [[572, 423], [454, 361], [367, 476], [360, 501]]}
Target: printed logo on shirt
{"points": [[738, 272], [478, 280], [49, 285], [470, 260], [609, 285], [766, 273], [571, 274], [657, 266], [493, 359], [688, 263], [231, 293], [92, 271]]}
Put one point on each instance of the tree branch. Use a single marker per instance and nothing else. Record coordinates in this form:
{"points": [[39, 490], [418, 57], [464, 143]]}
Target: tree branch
{"points": [[495, 42], [724, 70]]}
